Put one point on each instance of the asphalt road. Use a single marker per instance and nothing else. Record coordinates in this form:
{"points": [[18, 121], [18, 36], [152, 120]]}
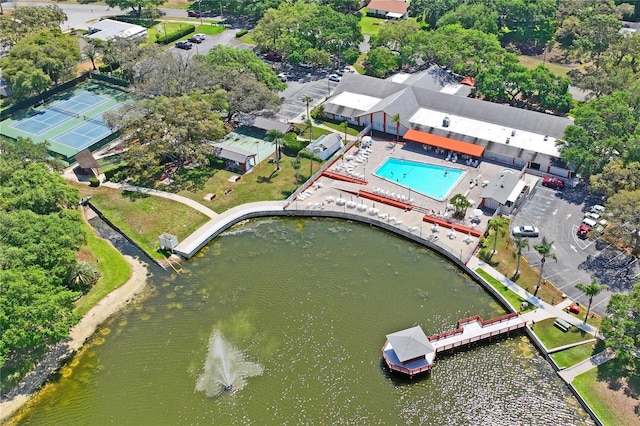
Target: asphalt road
{"points": [[82, 15], [558, 214]]}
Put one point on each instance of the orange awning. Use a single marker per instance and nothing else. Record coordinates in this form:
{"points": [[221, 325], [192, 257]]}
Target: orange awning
{"points": [[445, 143]]}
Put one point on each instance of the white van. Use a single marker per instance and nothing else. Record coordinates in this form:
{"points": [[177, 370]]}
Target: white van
{"points": [[589, 222]]}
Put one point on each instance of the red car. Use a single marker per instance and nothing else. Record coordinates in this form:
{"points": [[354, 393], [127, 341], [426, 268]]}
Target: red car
{"points": [[583, 231], [553, 182], [193, 13]]}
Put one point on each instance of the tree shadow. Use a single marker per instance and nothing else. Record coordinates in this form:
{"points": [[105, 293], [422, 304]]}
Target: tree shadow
{"points": [[134, 195]]}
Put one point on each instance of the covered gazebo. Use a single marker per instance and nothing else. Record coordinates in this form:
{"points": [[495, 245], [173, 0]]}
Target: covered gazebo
{"points": [[87, 164], [409, 351]]}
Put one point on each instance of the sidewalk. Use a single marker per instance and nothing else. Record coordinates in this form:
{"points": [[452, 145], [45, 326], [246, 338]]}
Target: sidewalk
{"points": [[568, 374], [545, 310]]}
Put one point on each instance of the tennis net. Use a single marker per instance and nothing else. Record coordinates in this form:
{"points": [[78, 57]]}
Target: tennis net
{"points": [[63, 111], [95, 120]]}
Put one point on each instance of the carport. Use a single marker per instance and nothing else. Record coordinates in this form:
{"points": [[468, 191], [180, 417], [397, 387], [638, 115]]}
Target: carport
{"points": [[444, 143]]}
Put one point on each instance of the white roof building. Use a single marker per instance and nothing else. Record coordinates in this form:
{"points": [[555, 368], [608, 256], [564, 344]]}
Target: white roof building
{"points": [[108, 29]]}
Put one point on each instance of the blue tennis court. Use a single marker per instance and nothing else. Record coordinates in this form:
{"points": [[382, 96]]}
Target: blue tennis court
{"points": [[59, 112], [86, 133]]}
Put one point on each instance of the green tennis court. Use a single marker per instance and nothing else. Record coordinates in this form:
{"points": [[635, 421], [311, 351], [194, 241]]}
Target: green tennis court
{"points": [[71, 121]]}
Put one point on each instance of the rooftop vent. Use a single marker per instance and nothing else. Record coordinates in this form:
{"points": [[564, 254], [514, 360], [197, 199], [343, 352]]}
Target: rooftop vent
{"points": [[446, 122], [508, 140], [513, 133]]}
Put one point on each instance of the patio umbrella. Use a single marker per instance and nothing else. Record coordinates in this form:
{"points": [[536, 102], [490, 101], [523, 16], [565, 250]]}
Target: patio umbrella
{"points": [[366, 139], [477, 212]]}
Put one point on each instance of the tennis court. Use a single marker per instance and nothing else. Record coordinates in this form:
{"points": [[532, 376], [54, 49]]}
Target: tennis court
{"points": [[70, 122]]}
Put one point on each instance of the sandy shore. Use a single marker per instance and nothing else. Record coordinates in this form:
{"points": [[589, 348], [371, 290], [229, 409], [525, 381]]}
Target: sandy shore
{"points": [[113, 302]]}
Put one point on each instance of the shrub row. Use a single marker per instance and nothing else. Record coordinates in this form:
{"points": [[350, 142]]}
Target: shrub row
{"points": [[241, 33], [147, 23], [168, 38]]}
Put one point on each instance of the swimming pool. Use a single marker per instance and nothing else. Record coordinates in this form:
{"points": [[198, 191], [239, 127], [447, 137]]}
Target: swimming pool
{"points": [[428, 179]]}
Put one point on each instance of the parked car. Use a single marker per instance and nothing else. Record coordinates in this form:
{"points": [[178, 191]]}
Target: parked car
{"points": [[193, 13], [186, 45], [334, 77], [525, 231], [597, 209], [273, 56], [197, 38], [305, 65], [553, 182], [282, 76], [583, 231]]}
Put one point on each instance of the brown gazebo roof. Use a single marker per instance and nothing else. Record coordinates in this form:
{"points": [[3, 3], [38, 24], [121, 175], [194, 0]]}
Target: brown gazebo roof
{"points": [[86, 161]]}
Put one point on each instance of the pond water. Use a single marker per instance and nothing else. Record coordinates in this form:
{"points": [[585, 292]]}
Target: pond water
{"points": [[301, 309]]}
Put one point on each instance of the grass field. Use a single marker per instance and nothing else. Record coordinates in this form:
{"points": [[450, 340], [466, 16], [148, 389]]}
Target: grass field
{"points": [[370, 25], [553, 337], [513, 298], [574, 355], [351, 129], [531, 63], [114, 268], [316, 132], [611, 392], [144, 218]]}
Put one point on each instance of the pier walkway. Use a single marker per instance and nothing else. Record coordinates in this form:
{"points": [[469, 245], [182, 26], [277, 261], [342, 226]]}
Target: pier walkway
{"points": [[474, 329]]}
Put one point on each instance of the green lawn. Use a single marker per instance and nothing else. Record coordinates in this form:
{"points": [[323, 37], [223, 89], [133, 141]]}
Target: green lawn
{"points": [[114, 268], [572, 356], [611, 392], [248, 39], [212, 29], [351, 129], [514, 299], [144, 218], [370, 25], [316, 132], [553, 337], [529, 62], [161, 29]]}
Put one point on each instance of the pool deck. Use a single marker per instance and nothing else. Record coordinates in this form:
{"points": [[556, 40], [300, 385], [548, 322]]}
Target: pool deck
{"points": [[337, 194]]}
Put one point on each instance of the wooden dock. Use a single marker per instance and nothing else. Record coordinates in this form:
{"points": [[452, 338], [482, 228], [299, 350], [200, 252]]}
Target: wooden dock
{"points": [[424, 349]]}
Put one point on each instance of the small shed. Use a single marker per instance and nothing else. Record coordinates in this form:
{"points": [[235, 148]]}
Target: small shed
{"points": [[87, 164], [168, 241], [235, 158], [504, 192], [325, 146]]}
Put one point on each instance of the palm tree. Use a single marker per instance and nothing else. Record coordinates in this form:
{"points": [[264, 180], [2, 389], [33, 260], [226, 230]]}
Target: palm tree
{"points": [[544, 250], [83, 276], [307, 100], [519, 243], [590, 290], [396, 119], [295, 163], [275, 136], [497, 225]]}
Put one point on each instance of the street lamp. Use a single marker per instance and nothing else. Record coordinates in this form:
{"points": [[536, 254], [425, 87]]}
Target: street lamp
{"points": [[200, 11]]}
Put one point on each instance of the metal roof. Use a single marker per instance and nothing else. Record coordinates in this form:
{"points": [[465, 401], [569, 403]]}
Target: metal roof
{"points": [[501, 186], [227, 152], [410, 343]]}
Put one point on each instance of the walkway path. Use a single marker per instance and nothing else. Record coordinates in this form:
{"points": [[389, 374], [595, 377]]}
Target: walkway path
{"points": [[175, 197], [568, 374], [544, 310]]}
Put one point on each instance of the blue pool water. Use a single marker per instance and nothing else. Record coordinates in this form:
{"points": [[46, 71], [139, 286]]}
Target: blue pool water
{"points": [[428, 179]]}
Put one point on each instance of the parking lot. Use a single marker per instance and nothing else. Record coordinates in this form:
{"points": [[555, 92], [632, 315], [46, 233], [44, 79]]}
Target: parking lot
{"points": [[558, 214]]}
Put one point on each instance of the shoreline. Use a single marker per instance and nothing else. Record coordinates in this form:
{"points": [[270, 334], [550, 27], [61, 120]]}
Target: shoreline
{"points": [[86, 327]]}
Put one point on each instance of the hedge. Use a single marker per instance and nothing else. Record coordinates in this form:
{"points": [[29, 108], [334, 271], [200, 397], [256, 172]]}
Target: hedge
{"points": [[147, 23], [168, 38], [241, 33]]}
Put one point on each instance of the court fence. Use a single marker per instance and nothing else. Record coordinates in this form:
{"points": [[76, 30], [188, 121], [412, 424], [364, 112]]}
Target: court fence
{"points": [[34, 100]]}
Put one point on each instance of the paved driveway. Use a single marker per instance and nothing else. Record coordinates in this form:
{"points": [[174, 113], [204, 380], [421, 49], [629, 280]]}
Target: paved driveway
{"points": [[558, 215]]}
